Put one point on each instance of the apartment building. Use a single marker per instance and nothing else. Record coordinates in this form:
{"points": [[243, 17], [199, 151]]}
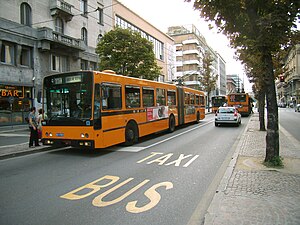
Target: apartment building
{"points": [[191, 48], [234, 84]]}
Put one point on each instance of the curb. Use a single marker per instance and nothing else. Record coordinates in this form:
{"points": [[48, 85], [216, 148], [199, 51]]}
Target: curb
{"points": [[25, 150]]}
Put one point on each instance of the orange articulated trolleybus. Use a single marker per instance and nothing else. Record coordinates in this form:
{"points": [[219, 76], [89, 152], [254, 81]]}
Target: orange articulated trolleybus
{"points": [[99, 109], [242, 101]]}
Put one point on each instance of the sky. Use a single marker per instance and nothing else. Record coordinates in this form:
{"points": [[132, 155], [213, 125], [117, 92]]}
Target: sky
{"points": [[166, 13]]}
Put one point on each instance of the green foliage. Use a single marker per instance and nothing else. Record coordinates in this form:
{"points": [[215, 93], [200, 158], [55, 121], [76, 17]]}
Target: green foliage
{"points": [[207, 78], [275, 162], [258, 30], [127, 53]]}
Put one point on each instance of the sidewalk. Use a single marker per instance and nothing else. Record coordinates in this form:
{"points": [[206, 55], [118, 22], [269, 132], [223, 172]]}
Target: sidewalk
{"points": [[9, 151], [251, 193]]}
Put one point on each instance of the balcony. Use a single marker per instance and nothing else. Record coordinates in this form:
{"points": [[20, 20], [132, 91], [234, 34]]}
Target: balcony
{"points": [[62, 9], [191, 41], [191, 72], [49, 39], [192, 51], [189, 62]]}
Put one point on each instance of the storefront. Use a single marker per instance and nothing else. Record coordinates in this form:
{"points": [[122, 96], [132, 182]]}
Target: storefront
{"points": [[15, 103]]}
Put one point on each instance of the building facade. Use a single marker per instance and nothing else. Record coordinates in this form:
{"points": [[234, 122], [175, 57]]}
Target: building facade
{"points": [[39, 38], [43, 37], [191, 48], [234, 84], [163, 45], [288, 92]]}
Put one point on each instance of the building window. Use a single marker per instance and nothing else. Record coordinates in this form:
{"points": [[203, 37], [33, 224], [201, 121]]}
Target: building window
{"points": [[101, 16], [84, 64], [60, 63], [83, 7], [59, 25], [8, 53], [25, 58], [84, 36], [158, 46], [55, 63], [26, 16]]}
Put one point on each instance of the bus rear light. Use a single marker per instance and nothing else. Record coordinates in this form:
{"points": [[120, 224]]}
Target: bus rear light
{"points": [[50, 134], [46, 134]]}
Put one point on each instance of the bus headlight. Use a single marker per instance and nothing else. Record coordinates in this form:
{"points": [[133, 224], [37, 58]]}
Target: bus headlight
{"points": [[86, 135]]}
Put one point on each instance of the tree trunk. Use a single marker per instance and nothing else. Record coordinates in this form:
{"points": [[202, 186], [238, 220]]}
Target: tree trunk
{"points": [[208, 101], [272, 138], [261, 109]]}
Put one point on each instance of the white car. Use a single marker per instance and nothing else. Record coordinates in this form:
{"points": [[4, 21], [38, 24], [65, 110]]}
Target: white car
{"points": [[297, 109], [228, 115]]}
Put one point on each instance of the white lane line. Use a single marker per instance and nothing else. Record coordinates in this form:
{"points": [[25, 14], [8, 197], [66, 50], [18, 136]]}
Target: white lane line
{"points": [[138, 149], [177, 135], [131, 149]]}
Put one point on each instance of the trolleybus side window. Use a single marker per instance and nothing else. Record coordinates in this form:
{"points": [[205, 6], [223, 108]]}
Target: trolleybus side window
{"points": [[148, 97], [197, 100], [201, 100], [111, 96], [171, 98], [192, 99], [187, 99], [132, 96], [160, 96]]}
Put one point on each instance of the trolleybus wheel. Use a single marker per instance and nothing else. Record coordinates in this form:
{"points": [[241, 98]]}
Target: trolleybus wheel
{"points": [[171, 123], [131, 134], [198, 117]]}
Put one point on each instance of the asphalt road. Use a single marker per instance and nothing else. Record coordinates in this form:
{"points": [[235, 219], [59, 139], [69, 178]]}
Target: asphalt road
{"points": [[290, 120], [164, 179]]}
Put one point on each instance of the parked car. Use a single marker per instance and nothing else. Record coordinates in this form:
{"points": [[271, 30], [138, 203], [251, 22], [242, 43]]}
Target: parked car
{"points": [[297, 109], [227, 115]]}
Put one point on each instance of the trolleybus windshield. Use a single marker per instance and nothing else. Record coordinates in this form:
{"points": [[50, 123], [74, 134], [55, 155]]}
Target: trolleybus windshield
{"points": [[68, 97]]}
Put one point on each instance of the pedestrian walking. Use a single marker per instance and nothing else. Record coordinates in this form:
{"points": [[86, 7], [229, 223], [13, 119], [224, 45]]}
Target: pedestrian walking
{"points": [[33, 126]]}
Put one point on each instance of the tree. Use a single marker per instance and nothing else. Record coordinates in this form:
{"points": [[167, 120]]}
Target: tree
{"points": [[251, 61], [127, 53], [207, 78], [263, 26]]}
